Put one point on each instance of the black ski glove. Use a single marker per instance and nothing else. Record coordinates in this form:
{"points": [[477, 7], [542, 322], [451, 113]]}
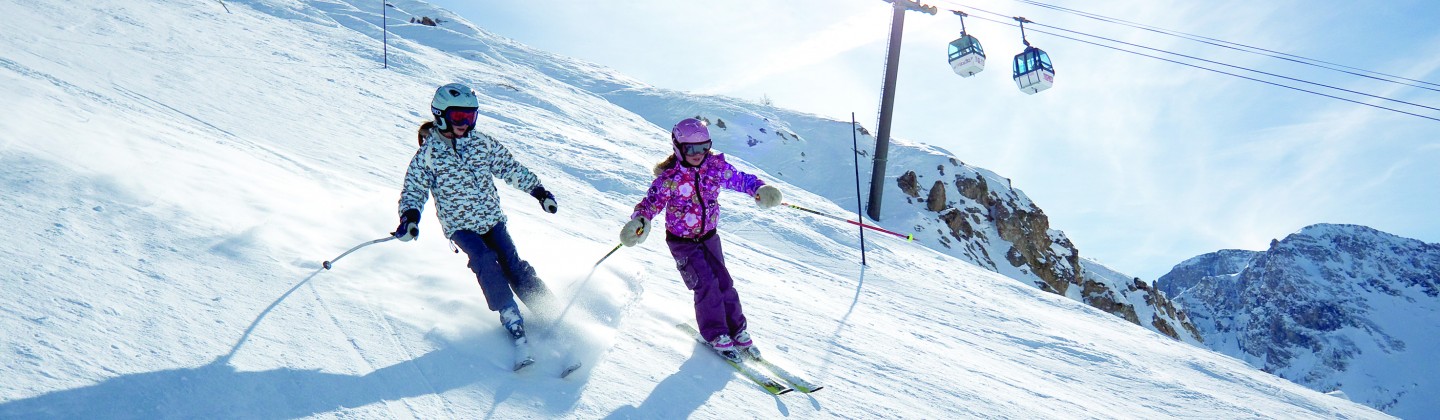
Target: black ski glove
{"points": [[409, 226], [547, 200]]}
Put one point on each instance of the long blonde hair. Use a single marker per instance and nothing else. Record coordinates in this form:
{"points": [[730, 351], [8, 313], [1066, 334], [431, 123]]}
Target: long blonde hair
{"points": [[669, 162]]}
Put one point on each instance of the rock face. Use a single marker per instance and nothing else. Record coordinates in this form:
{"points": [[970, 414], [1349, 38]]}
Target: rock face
{"points": [[1332, 307], [909, 184], [997, 227], [1027, 229], [1205, 269], [1136, 301], [936, 200]]}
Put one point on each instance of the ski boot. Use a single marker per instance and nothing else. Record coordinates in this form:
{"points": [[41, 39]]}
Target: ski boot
{"points": [[510, 317], [726, 348], [745, 347]]}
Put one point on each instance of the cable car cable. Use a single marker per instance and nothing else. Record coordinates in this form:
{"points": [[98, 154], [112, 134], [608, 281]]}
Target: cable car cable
{"points": [[1214, 62], [1246, 48], [1216, 70], [1238, 67]]}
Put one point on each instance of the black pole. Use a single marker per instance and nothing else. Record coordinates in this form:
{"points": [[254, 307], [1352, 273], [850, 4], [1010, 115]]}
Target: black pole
{"points": [[887, 100], [859, 209], [887, 106]]}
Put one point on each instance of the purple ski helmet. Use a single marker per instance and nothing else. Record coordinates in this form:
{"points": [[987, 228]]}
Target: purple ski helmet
{"points": [[690, 134]]}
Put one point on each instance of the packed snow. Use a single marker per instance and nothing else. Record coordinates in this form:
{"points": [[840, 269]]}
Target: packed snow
{"points": [[174, 173]]}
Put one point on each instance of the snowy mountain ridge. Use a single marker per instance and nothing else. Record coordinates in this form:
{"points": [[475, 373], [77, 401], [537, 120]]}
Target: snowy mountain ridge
{"points": [[1332, 307], [175, 172]]}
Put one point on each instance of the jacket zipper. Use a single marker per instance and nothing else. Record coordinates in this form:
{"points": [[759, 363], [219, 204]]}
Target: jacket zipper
{"points": [[701, 196]]}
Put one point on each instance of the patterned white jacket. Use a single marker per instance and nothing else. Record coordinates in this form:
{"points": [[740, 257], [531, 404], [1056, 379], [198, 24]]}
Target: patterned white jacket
{"points": [[461, 175]]}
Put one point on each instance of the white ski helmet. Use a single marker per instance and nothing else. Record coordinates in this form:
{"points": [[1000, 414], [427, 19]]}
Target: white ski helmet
{"points": [[459, 97]]}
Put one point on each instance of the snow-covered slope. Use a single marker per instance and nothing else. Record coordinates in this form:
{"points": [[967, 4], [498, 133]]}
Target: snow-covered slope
{"points": [[175, 171], [1333, 307], [971, 213]]}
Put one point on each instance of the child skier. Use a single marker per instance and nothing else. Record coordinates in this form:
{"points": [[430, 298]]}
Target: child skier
{"points": [[687, 188], [458, 166]]}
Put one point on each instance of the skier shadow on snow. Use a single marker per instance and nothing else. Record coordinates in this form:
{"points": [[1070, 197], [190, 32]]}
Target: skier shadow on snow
{"points": [[689, 388], [217, 390]]}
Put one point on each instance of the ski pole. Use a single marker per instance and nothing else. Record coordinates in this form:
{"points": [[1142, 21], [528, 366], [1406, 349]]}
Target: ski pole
{"points": [[551, 329], [908, 238], [638, 231], [331, 263], [607, 255]]}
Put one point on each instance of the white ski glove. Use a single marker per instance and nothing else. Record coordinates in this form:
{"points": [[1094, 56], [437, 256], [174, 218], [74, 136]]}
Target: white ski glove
{"points": [[767, 196], [635, 231]]}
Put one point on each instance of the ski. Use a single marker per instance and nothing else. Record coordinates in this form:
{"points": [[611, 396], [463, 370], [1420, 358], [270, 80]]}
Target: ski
{"points": [[524, 363], [567, 356], [800, 384], [760, 378], [523, 356], [569, 370]]}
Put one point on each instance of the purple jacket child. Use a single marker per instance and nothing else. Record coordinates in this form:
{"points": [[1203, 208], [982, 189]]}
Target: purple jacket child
{"points": [[687, 188], [675, 191]]}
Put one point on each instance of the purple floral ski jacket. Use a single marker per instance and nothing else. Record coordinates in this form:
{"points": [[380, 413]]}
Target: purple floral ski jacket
{"points": [[690, 196]]}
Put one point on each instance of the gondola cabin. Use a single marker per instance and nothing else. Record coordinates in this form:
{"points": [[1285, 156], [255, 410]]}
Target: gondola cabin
{"points": [[1033, 71], [966, 56]]}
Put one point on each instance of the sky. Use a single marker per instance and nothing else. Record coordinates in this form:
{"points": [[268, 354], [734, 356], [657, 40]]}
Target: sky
{"points": [[1142, 162]]}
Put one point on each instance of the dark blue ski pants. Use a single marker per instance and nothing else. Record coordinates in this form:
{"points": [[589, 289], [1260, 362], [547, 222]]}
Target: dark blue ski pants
{"points": [[501, 272]]}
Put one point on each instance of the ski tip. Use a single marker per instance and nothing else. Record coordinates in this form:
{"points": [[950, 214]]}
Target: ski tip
{"points": [[784, 391], [569, 370], [812, 390], [523, 364]]}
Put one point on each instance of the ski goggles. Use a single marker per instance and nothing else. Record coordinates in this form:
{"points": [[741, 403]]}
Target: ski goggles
{"points": [[460, 116], [692, 149]]}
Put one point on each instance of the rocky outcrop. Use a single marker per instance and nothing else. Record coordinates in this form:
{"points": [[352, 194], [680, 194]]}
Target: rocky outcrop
{"points": [[909, 184], [1102, 297], [976, 189], [1167, 313], [936, 200], [1027, 229], [959, 224], [1136, 301], [998, 228]]}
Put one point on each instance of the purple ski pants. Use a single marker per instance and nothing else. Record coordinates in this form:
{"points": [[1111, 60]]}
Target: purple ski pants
{"points": [[702, 266]]}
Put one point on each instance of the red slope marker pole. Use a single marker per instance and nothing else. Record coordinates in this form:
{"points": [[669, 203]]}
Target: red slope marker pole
{"points": [[907, 238]]}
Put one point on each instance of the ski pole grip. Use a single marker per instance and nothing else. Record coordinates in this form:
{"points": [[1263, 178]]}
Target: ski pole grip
{"points": [[640, 230]]}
